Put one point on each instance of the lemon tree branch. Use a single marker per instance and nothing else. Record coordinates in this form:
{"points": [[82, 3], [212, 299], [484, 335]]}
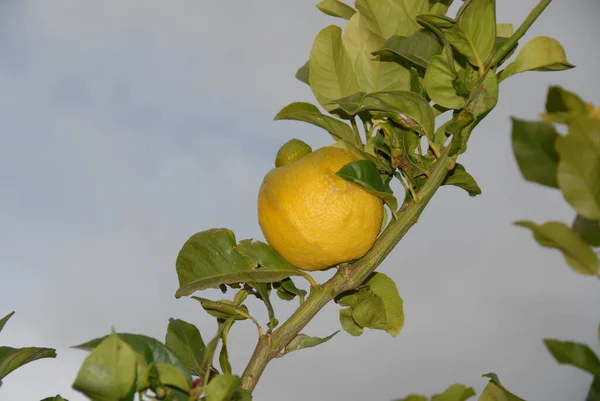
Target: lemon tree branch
{"points": [[353, 275]]}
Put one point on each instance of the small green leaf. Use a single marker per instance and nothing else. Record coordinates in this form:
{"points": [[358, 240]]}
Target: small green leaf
{"points": [[186, 342], [303, 341], [226, 387], [391, 17], [287, 290], [365, 174], [594, 392], [477, 22], [332, 75], [533, 145], [224, 354], [577, 253], [418, 48], [539, 54], [579, 167], [55, 398], [504, 30], [439, 7], [414, 397], [456, 392], [460, 178], [575, 354], [223, 309], [336, 8], [563, 105], [495, 391], [170, 376], [416, 83], [14, 358], [5, 319], [588, 230], [302, 74], [438, 83], [152, 350], [109, 371], [348, 323], [306, 112], [484, 95], [210, 258]]}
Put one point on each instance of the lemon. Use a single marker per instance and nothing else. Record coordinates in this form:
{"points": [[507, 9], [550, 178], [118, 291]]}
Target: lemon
{"points": [[313, 218], [291, 151]]}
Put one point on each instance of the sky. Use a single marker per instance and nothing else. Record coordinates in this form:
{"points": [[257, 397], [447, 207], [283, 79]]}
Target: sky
{"points": [[127, 127]]}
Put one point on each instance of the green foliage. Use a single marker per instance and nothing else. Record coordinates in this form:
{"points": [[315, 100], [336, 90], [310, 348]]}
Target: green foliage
{"points": [[365, 174], [185, 341], [303, 341], [460, 178], [574, 354], [55, 398], [563, 105], [336, 8]]}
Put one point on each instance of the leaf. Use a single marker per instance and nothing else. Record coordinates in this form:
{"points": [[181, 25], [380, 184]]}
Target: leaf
{"points": [[418, 48], [306, 112], [226, 387], [539, 54], [332, 75], [224, 354], [495, 391], [55, 398], [287, 290], [391, 17], [438, 84], [365, 174], [533, 145], [484, 95], [302, 74], [460, 178], [504, 30], [588, 230], [416, 84], [336, 8], [563, 105], [348, 323], [574, 354], [109, 371], [152, 350], [14, 358], [439, 6], [186, 342], [414, 397], [5, 319], [456, 392], [579, 167], [210, 258], [577, 253], [406, 109], [170, 376], [303, 341], [594, 392], [477, 22], [223, 309]]}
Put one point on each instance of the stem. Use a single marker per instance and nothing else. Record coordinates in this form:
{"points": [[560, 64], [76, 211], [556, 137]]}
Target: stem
{"points": [[353, 275], [356, 131], [519, 33]]}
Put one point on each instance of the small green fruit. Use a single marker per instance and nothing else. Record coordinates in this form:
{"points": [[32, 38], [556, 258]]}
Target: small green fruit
{"points": [[291, 151]]}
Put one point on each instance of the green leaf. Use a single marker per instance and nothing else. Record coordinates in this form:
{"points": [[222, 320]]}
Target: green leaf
{"points": [[539, 54], [484, 95], [211, 258], [302, 74], [588, 230], [348, 323], [563, 105], [574, 354], [332, 75], [533, 145], [577, 253], [504, 30], [416, 84], [152, 350], [594, 392], [306, 112], [186, 342], [414, 397], [365, 174], [439, 7], [460, 178], [438, 84], [406, 109], [373, 74], [223, 309], [391, 17], [287, 290], [226, 387], [418, 48], [14, 358], [224, 354], [303, 341], [579, 166], [170, 376], [109, 371], [336, 8], [456, 392], [477, 22], [55, 398], [495, 391], [5, 319]]}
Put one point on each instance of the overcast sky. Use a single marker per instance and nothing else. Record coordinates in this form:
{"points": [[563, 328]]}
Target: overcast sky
{"points": [[127, 126]]}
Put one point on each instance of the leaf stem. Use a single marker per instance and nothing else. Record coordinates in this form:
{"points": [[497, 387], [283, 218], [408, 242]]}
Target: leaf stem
{"points": [[518, 34], [356, 131]]}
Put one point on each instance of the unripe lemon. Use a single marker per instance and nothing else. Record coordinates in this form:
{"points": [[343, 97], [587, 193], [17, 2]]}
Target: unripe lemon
{"points": [[291, 151], [313, 218]]}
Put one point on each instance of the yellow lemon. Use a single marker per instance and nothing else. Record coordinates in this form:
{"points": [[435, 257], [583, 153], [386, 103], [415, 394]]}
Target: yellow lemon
{"points": [[313, 218]]}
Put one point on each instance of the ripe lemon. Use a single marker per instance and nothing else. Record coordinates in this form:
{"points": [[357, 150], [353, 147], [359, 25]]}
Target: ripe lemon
{"points": [[313, 218]]}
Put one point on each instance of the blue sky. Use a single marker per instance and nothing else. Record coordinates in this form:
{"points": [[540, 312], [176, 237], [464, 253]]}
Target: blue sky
{"points": [[128, 127]]}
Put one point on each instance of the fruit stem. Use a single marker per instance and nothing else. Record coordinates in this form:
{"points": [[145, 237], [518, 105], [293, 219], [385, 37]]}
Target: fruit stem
{"points": [[356, 132]]}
